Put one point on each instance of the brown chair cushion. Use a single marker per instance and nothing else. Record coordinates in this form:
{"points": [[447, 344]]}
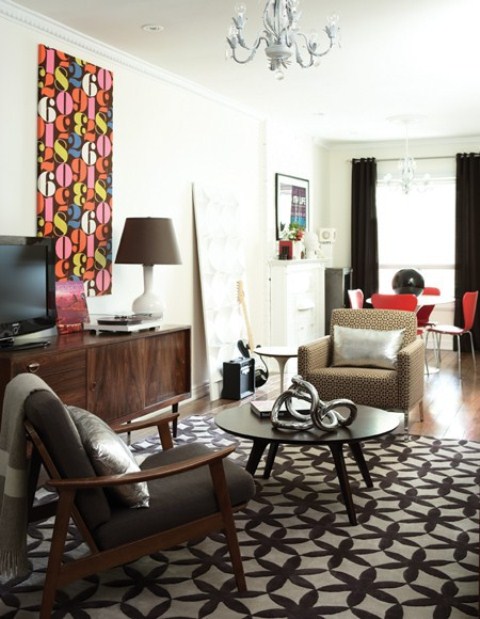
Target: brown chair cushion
{"points": [[55, 427], [174, 500]]}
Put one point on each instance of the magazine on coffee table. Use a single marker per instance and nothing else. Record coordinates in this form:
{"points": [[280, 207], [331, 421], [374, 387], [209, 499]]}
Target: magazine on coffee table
{"points": [[263, 408]]}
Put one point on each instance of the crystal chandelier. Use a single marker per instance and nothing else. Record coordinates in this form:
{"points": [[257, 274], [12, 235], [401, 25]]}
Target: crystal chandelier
{"points": [[407, 166], [281, 36]]}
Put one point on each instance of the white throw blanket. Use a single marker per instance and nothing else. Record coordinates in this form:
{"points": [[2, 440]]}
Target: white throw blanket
{"points": [[14, 475]]}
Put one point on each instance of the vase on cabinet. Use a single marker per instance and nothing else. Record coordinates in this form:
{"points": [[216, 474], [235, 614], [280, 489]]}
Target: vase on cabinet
{"points": [[298, 250]]}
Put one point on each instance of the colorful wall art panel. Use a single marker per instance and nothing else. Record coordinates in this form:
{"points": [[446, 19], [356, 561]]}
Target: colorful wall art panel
{"points": [[74, 185]]}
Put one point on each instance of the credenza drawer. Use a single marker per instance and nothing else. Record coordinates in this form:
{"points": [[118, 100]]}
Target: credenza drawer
{"points": [[64, 372]]}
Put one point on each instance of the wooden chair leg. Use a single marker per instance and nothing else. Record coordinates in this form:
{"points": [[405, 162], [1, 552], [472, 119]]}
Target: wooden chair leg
{"points": [[223, 498], [57, 547]]}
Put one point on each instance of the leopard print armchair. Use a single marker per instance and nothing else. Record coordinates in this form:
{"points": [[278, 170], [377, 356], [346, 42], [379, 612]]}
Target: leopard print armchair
{"points": [[396, 389]]}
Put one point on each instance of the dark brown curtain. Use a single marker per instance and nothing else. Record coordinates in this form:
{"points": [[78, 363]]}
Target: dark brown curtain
{"points": [[467, 237], [364, 234]]}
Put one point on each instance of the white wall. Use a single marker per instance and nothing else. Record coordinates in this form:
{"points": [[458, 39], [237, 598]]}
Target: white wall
{"points": [[165, 138], [294, 154]]}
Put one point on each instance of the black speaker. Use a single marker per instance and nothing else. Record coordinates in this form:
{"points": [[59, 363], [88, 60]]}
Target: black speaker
{"points": [[337, 283], [238, 378]]}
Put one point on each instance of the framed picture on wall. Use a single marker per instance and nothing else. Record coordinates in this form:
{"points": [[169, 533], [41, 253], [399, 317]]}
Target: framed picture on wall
{"points": [[291, 202]]}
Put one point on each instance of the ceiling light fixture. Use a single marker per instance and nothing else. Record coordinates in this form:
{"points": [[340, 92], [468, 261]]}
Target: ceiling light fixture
{"points": [[281, 36], [407, 165], [152, 28]]}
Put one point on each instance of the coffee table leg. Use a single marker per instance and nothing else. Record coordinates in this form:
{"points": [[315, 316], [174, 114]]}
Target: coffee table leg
{"points": [[272, 452], [258, 448], [362, 465], [337, 453]]}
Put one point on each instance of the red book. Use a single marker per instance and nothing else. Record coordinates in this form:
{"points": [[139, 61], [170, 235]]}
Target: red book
{"points": [[72, 309]]}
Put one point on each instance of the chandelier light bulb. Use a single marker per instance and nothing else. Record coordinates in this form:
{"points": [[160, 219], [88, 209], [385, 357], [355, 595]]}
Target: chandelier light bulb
{"points": [[240, 8], [332, 21]]}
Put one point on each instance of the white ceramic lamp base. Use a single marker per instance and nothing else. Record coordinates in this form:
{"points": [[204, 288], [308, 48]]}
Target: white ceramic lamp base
{"points": [[148, 302]]}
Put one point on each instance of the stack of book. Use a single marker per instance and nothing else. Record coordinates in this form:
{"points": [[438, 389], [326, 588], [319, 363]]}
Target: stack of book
{"points": [[263, 408]]}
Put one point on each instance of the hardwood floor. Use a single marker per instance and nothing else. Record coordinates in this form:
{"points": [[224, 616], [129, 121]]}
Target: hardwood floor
{"points": [[451, 406]]}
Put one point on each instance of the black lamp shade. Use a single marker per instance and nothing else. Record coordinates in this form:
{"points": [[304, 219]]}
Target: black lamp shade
{"points": [[148, 240]]}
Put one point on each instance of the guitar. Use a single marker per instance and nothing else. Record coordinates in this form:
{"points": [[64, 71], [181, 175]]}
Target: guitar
{"points": [[261, 373]]}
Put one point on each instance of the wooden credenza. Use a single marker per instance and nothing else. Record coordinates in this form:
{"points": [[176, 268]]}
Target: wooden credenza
{"points": [[116, 376]]}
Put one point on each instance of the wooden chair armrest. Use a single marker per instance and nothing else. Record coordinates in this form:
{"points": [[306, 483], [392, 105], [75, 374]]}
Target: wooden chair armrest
{"points": [[314, 355], [150, 474], [161, 422], [130, 426]]}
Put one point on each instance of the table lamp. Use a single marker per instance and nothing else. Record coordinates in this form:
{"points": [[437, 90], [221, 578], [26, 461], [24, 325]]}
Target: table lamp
{"points": [[148, 241]]}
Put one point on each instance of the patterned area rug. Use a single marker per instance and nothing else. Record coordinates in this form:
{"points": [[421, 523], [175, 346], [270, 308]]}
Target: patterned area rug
{"points": [[414, 553]]}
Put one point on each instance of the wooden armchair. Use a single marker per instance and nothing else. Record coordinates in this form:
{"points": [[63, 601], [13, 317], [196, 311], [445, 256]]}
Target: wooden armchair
{"points": [[396, 388], [193, 491]]}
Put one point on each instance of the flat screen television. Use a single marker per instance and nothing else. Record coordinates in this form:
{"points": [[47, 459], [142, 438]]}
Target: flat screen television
{"points": [[27, 290]]}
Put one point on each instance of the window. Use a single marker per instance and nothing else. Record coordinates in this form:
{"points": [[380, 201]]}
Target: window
{"points": [[417, 229]]}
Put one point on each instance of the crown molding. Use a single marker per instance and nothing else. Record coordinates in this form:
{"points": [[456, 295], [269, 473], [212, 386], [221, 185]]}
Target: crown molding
{"points": [[386, 144], [44, 25]]}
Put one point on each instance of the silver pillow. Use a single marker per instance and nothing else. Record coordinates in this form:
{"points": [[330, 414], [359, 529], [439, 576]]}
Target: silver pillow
{"points": [[366, 347], [109, 456]]}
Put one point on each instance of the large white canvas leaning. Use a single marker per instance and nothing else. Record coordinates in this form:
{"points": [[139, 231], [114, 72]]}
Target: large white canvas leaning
{"points": [[221, 259]]}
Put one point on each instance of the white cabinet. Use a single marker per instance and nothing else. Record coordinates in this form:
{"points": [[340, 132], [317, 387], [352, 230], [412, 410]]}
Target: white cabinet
{"points": [[297, 305]]}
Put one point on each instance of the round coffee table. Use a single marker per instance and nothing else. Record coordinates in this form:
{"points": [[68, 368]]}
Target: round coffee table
{"points": [[370, 423]]}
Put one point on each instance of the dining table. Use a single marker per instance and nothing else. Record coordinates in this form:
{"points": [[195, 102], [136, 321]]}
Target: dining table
{"points": [[433, 299], [427, 299]]}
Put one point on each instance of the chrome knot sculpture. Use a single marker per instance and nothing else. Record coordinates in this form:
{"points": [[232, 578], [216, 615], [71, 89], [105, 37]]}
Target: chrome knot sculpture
{"points": [[322, 415]]}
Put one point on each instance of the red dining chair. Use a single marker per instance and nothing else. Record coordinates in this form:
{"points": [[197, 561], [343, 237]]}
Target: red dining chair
{"points": [[469, 307], [356, 298], [423, 314], [405, 302], [423, 319]]}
